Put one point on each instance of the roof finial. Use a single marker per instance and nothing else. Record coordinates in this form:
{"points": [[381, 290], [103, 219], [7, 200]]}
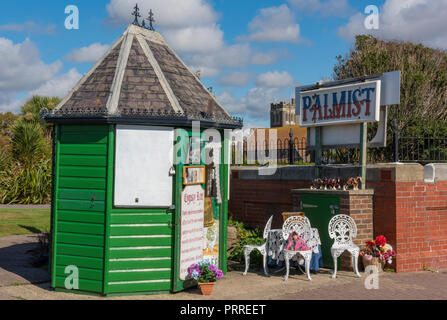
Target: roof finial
{"points": [[137, 15], [151, 21]]}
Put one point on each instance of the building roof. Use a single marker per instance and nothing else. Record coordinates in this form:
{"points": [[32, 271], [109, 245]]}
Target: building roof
{"points": [[141, 79]]}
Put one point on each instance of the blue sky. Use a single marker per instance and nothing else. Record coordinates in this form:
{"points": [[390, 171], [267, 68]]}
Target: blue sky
{"points": [[251, 52]]}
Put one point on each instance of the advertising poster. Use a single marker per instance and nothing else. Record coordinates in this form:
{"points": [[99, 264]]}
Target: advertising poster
{"points": [[192, 221]]}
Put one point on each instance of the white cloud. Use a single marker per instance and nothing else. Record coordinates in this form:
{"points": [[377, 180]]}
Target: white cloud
{"points": [[91, 53], [202, 39], [21, 67], [264, 58], [237, 79], [254, 105], [23, 73], [275, 79], [274, 24], [29, 27], [59, 86], [420, 21], [338, 8]]}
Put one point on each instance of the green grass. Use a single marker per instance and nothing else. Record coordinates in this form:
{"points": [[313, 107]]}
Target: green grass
{"points": [[17, 222]]}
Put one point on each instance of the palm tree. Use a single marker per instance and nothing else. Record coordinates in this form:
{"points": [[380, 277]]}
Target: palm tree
{"points": [[28, 143]]}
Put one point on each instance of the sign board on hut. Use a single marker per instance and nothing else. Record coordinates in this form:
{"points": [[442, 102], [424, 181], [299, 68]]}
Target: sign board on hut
{"points": [[191, 228]]}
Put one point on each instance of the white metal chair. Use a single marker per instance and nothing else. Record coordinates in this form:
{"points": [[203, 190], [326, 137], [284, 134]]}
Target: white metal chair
{"points": [[300, 225], [342, 229], [261, 248]]}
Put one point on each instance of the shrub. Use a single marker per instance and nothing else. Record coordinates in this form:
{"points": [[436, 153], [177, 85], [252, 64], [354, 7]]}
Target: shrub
{"points": [[22, 185], [246, 235]]}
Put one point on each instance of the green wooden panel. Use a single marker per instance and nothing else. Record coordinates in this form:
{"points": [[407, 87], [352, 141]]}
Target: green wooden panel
{"points": [[80, 262], [84, 149], [82, 251], [79, 194], [83, 172], [84, 285], [141, 253], [317, 209], [139, 287], [83, 217], [96, 137], [83, 228], [139, 230], [140, 218], [80, 160], [85, 274], [83, 128], [80, 239], [139, 275], [139, 264], [82, 183], [140, 242], [137, 210], [80, 205]]}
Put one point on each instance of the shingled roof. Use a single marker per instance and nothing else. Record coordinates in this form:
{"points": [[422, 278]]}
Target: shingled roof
{"points": [[141, 79]]}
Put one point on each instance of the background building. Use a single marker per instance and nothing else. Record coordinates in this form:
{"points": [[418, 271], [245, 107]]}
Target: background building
{"points": [[282, 114]]}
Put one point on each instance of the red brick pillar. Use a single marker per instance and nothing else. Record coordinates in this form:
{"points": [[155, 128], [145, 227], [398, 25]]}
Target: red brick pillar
{"points": [[359, 206]]}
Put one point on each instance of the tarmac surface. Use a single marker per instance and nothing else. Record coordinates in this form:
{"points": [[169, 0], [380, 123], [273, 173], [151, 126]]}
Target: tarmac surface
{"points": [[19, 280]]}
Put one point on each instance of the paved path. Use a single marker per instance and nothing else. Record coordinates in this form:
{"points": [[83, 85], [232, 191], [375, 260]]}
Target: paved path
{"points": [[400, 286], [19, 280]]}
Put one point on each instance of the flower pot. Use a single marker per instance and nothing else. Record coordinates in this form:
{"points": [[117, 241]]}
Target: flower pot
{"points": [[207, 288], [373, 262]]}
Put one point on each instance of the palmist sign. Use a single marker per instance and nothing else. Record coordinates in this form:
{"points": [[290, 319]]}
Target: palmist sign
{"points": [[346, 104]]}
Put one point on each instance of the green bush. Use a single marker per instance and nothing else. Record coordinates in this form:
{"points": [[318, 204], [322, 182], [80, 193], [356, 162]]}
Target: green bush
{"points": [[246, 235], [22, 185]]}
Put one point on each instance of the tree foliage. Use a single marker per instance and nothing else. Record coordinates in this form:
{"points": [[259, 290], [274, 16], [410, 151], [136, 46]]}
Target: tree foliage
{"points": [[423, 104], [25, 154]]}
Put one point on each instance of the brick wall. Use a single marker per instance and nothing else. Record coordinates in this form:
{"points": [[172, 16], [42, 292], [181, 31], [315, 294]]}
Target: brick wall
{"points": [[410, 213]]}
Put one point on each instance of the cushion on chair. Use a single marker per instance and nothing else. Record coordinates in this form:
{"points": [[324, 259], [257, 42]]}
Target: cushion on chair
{"points": [[296, 245]]}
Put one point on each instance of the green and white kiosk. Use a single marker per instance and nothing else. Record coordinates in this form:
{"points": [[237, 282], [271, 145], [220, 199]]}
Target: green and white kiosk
{"points": [[140, 181]]}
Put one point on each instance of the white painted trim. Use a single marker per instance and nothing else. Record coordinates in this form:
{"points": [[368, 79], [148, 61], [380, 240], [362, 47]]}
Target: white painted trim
{"points": [[139, 248], [140, 270], [160, 75], [136, 282], [148, 34], [88, 74], [140, 225], [138, 259], [112, 103], [138, 237]]}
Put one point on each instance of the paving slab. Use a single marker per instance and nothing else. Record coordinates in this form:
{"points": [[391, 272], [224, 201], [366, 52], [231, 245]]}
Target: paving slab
{"points": [[15, 261]]}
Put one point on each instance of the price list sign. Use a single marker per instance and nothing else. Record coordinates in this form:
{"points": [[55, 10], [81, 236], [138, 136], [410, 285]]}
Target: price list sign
{"points": [[191, 228]]}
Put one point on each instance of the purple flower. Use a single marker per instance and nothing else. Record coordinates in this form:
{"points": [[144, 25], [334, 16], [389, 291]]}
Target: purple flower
{"points": [[213, 268], [219, 274]]}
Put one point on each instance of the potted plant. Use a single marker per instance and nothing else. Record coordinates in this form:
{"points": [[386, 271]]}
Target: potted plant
{"points": [[376, 252], [206, 275]]}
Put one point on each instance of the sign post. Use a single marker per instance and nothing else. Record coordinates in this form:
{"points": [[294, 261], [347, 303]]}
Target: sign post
{"points": [[363, 153]]}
